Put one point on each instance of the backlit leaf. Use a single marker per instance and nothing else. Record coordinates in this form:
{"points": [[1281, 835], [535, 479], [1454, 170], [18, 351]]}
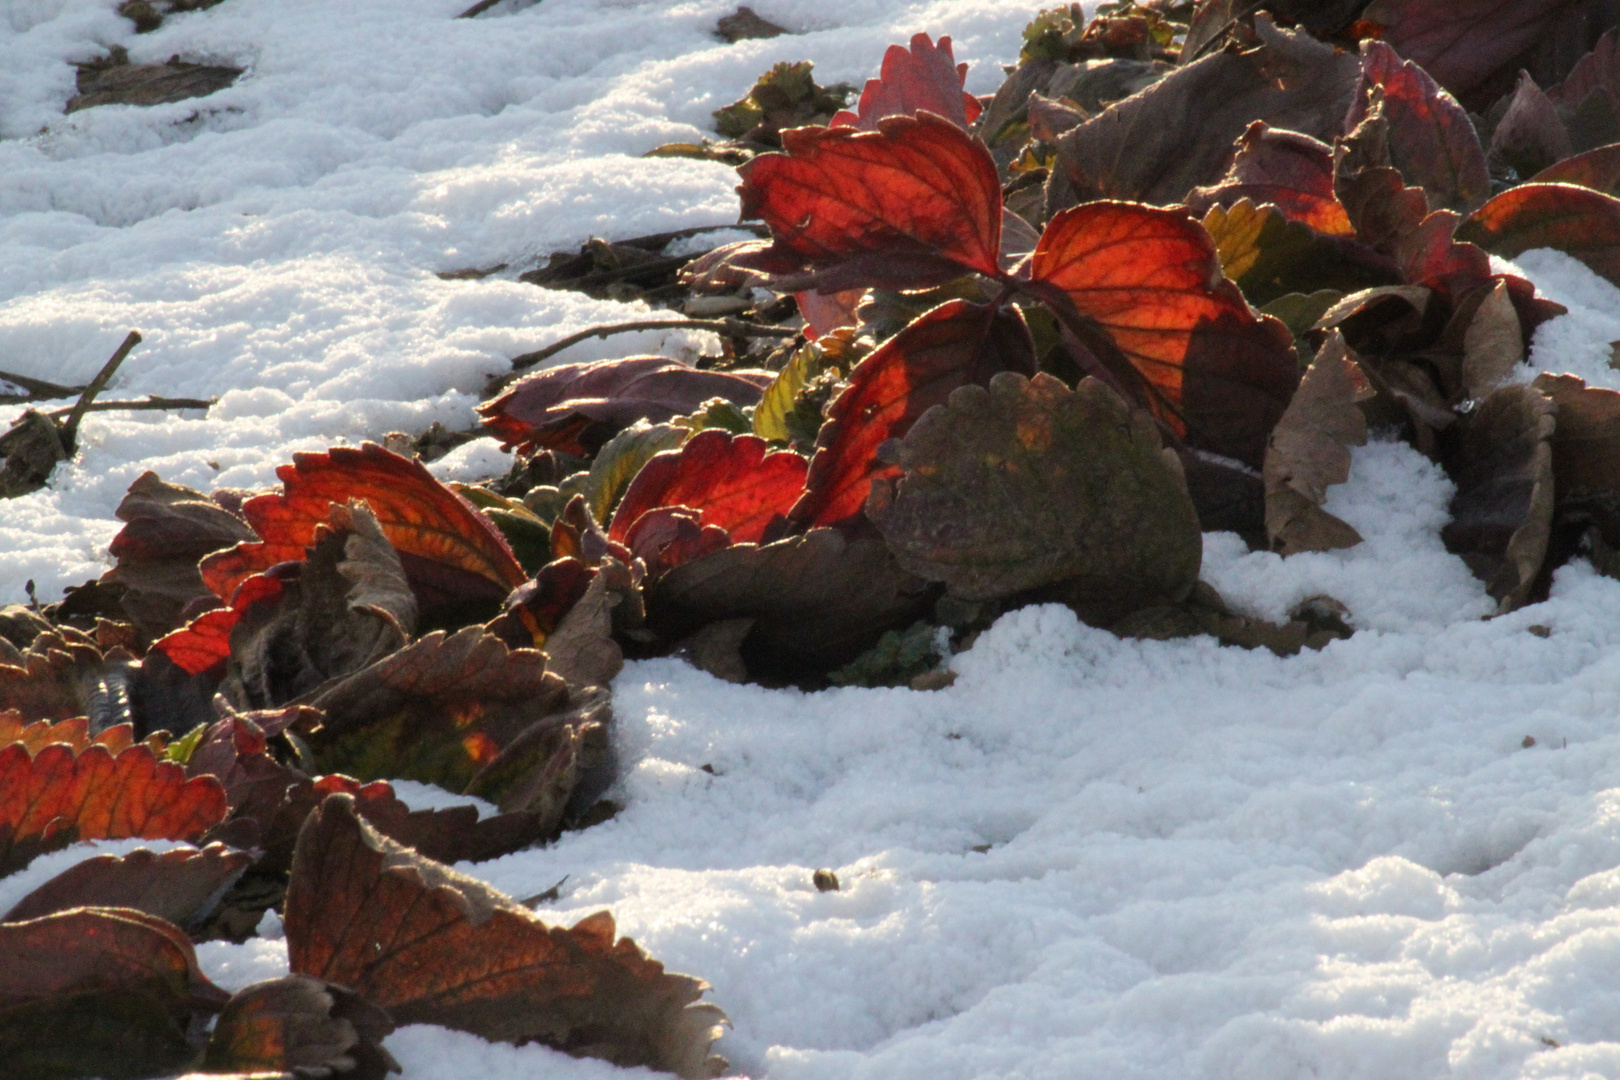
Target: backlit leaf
{"points": [[734, 482], [1431, 140], [452, 554], [1268, 255], [434, 946], [1210, 368], [57, 796], [1575, 220], [1293, 172], [910, 205], [953, 345], [1025, 483], [1597, 169], [924, 78], [1585, 452]]}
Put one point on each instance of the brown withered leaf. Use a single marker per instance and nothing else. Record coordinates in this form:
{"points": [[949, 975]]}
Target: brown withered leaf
{"points": [[1501, 459], [818, 599], [348, 605], [167, 529], [744, 24], [304, 1026], [107, 992], [29, 451], [438, 710], [1156, 146], [1025, 483], [434, 946], [59, 676], [1493, 344], [1586, 453], [1530, 136], [581, 649], [181, 886], [113, 80], [1309, 452], [1578, 221]]}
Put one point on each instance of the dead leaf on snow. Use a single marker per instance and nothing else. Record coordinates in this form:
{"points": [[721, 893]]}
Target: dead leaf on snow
{"points": [[1310, 451], [434, 946]]}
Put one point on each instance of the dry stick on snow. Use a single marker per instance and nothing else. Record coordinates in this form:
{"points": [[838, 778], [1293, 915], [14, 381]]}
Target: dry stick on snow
{"points": [[151, 401], [70, 429], [38, 389], [478, 9]]}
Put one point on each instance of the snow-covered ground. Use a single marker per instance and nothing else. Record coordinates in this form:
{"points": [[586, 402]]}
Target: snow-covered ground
{"points": [[1088, 857]]}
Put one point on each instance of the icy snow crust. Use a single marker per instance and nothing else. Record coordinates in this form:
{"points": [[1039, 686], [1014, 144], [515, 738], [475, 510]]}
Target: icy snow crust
{"points": [[1087, 858]]}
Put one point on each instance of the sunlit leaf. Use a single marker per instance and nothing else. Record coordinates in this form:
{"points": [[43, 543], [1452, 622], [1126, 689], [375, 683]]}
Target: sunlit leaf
{"points": [[59, 795], [300, 1023], [913, 204], [1575, 220], [1293, 172], [453, 555], [181, 886], [953, 345], [433, 946], [923, 78], [107, 992], [1210, 368]]}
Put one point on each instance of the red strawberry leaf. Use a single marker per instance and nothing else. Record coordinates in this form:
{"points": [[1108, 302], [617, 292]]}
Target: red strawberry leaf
{"points": [[576, 408], [925, 78], [59, 795], [1208, 367], [1597, 169], [106, 992], [953, 345], [1431, 140], [203, 646], [732, 481], [453, 555], [433, 946], [1576, 220], [913, 204], [1293, 172]]}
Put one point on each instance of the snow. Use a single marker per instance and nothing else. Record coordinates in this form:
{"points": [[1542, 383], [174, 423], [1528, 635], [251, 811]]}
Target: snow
{"points": [[1088, 857]]}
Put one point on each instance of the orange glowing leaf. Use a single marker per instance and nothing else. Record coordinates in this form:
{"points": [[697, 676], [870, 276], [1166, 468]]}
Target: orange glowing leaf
{"points": [[57, 796], [1149, 279], [953, 345], [730, 480], [915, 203], [445, 544]]}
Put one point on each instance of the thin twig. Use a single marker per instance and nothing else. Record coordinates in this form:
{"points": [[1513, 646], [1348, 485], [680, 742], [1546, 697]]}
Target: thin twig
{"points": [[38, 389], [478, 9], [70, 429], [724, 327], [151, 402]]}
